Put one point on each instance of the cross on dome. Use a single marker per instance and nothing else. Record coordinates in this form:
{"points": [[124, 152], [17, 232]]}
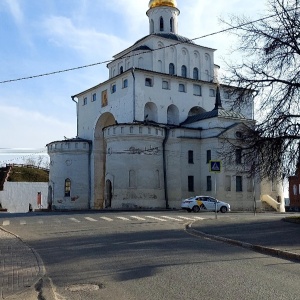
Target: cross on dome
{"points": [[157, 3]]}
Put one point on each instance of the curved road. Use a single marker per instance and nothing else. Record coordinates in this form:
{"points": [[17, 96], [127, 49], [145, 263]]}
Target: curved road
{"points": [[148, 255]]}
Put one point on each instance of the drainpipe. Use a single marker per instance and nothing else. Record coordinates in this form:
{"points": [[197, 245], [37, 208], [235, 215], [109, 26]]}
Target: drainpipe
{"points": [[133, 75], [90, 176], [167, 131], [73, 99]]}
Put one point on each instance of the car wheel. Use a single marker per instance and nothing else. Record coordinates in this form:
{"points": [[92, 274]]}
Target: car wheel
{"points": [[196, 208], [223, 209]]}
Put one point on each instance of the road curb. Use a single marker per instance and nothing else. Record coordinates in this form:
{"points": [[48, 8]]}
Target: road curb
{"points": [[258, 248], [31, 292]]}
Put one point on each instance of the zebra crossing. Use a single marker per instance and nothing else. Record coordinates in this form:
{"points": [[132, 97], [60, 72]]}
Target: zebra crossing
{"points": [[94, 219]]}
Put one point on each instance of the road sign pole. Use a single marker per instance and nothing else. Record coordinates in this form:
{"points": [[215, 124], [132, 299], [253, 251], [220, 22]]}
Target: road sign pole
{"points": [[215, 167], [216, 215]]}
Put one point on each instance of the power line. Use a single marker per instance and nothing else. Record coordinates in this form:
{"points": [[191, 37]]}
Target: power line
{"points": [[108, 61]]}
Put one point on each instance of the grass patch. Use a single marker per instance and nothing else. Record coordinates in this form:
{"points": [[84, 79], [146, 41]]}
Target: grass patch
{"points": [[23, 174]]}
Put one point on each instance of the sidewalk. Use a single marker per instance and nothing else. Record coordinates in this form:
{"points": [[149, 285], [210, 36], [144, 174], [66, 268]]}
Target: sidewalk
{"points": [[20, 268], [258, 233]]}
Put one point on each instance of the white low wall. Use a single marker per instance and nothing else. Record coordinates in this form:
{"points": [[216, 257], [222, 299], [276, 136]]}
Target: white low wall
{"points": [[17, 196], [273, 203]]}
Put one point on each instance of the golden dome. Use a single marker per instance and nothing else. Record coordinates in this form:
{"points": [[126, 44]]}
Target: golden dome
{"points": [[156, 3]]}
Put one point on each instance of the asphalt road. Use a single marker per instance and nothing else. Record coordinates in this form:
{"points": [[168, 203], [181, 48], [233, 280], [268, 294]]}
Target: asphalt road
{"points": [[148, 255]]}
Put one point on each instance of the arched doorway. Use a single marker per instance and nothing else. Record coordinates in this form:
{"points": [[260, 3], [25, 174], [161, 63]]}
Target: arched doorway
{"points": [[108, 193], [99, 158], [50, 197]]}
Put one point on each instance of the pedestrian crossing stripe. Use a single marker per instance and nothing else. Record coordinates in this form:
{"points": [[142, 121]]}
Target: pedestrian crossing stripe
{"points": [[138, 218], [90, 219], [155, 218], [171, 218], [74, 220], [107, 219], [123, 218]]}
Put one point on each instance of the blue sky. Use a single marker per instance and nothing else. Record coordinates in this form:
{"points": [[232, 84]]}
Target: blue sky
{"points": [[44, 36]]}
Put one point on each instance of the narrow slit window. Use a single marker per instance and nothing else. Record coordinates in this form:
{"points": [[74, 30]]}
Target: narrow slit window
{"points": [[208, 183], [191, 183], [171, 25], [183, 71], [161, 24], [191, 157], [67, 187]]}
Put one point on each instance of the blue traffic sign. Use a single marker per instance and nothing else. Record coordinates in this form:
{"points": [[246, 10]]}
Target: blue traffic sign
{"points": [[215, 166]]}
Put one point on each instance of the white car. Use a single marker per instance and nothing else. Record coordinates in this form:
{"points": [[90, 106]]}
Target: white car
{"points": [[204, 203]]}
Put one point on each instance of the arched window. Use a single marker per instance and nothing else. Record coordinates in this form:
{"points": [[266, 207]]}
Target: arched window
{"points": [[171, 25], [151, 26], [173, 115], [171, 69], [207, 75], [121, 70], [196, 73], [159, 66], [183, 71], [67, 187], [150, 113], [161, 24]]}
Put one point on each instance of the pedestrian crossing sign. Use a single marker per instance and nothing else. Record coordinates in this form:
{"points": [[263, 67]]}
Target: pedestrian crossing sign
{"points": [[215, 166]]}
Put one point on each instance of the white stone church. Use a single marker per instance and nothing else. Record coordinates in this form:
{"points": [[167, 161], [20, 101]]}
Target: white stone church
{"points": [[146, 136]]}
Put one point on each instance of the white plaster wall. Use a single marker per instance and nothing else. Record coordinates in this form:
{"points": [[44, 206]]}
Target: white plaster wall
{"points": [[162, 98], [70, 163], [179, 143], [120, 161], [134, 148], [17, 196], [120, 104]]}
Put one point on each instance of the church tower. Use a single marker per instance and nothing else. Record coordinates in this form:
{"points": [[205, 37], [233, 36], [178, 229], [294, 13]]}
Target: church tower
{"points": [[163, 16]]}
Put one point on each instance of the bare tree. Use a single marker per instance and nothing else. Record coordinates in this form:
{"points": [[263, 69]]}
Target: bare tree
{"points": [[39, 161], [269, 68]]}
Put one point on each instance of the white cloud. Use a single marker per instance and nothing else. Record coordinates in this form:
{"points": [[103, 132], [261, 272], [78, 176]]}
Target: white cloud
{"points": [[200, 18], [30, 129], [15, 10], [87, 42], [134, 13]]}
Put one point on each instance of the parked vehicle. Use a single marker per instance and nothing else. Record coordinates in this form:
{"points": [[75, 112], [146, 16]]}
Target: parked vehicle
{"points": [[205, 203]]}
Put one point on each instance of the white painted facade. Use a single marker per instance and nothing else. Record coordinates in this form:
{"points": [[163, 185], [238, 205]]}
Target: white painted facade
{"points": [[147, 129], [70, 161], [16, 196]]}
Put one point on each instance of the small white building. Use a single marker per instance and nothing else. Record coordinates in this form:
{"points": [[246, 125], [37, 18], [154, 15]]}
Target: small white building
{"points": [[146, 135], [21, 196]]}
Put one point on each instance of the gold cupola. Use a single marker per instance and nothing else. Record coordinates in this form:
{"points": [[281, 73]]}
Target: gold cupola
{"points": [[157, 3]]}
